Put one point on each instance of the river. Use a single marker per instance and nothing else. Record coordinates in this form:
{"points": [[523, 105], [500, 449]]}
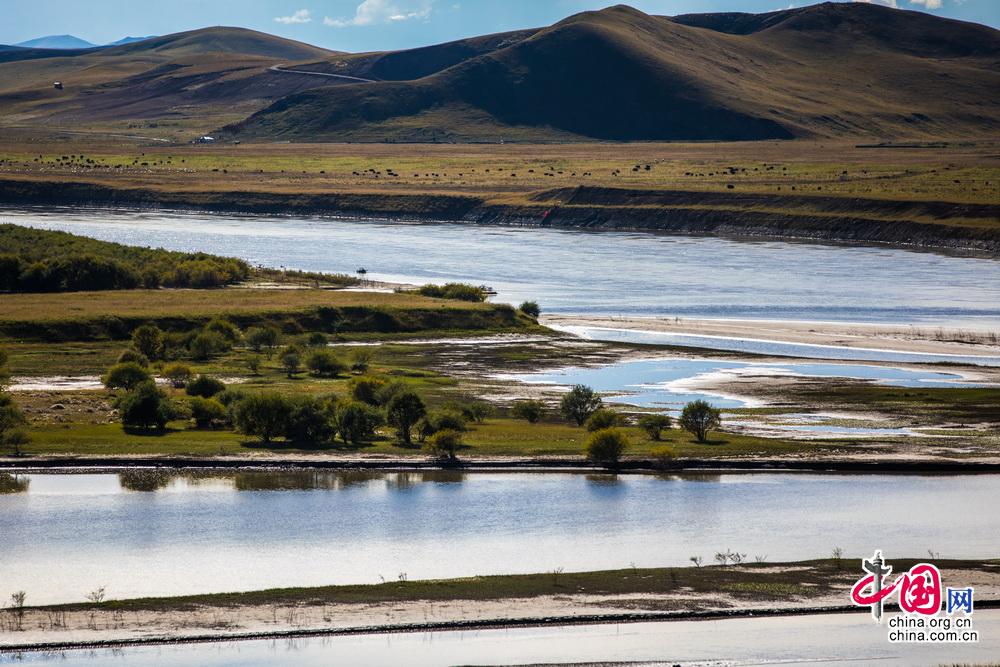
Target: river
{"points": [[149, 534]]}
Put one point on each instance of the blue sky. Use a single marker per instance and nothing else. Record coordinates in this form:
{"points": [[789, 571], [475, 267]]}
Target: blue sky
{"points": [[366, 25]]}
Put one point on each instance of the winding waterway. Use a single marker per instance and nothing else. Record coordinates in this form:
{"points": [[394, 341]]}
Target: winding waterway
{"points": [[574, 271], [147, 534]]}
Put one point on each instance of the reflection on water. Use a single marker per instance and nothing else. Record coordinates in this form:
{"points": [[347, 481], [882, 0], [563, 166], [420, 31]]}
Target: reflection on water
{"points": [[13, 483], [216, 531], [823, 640], [585, 272], [671, 382]]}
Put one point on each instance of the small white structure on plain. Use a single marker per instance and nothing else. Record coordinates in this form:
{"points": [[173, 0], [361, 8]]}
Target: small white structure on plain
{"points": [[206, 140], [57, 85]]}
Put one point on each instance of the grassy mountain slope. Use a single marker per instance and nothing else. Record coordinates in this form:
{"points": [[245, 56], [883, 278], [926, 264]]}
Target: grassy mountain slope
{"points": [[618, 74], [208, 75]]}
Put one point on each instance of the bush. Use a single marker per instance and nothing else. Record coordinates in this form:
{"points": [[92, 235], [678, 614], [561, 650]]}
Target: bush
{"points": [[528, 409], [472, 411], [309, 420], [177, 374], [264, 415], [655, 425], [291, 361], [603, 418], [444, 444], [357, 421], [440, 420], [207, 412], [531, 309], [130, 356], [403, 411], [698, 418], [12, 436], [205, 386], [126, 376], [317, 339], [148, 340], [366, 389], [325, 363], [207, 344], [458, 291], [387, 391], [224, 328], [146, 406], [607, 446], [253, 364], [361, 359], [579, 403], [262, 339], [663, 456]]}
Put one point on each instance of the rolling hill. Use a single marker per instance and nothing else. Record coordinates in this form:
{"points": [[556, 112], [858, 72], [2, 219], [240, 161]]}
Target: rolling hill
{"points": [[56, 42], [197, 79], [834, 69]]}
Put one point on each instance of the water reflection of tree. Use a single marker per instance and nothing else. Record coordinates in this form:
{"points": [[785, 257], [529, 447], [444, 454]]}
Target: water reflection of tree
{"points": [[443, 476], [13, 483], [145, 480], [302, 480]]}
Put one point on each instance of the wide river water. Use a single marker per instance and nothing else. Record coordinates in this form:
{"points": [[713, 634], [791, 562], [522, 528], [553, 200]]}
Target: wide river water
{"points": [[573, 271], [143, 534]]}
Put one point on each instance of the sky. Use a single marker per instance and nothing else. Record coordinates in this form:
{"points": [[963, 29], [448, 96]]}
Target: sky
{"points": [[370, 25]]}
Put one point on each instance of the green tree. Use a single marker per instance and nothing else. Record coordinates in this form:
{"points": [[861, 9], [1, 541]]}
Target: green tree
{"points": [[309, 420], [224, 328], [325, 363], [528, 409], [207, 344], [698, 418], [253, 364], [205, 386], [579, 403], [264, 415], [177, 374], [440, 420], [291, 361], [4, 373], [366, 389], [262, 339], [603, 418], [444, 444], [360, 359], [317, 339], [12, 435], [357, 421], [607, 446], [403, 411], [131, 355], [145, 406], [126, 376], [531, 309], [655, 425], [206, 412], [148, 339]]}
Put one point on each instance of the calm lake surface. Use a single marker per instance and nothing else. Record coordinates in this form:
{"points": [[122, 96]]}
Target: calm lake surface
{"points": [[573, 271], [69, 534], [827, 640]]}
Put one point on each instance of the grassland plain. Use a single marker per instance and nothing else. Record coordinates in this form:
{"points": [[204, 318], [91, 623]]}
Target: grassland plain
{"points": [[923, 194]]}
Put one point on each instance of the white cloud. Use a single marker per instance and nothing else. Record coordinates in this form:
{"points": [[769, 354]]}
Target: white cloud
{"points": [[929, 4], [884, 3], [301, 16], [373, 12]]}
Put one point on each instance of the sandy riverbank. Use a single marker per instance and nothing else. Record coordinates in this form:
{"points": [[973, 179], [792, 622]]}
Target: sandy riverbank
{"points": [[87, 626], [895, 338]]}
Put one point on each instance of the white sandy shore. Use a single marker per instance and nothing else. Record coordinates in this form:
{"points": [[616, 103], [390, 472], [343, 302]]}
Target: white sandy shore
{"points": [[44, 626], [889, 337]]}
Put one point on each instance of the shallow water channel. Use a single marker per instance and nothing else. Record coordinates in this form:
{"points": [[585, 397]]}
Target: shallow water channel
{"points": [[149, 533]]}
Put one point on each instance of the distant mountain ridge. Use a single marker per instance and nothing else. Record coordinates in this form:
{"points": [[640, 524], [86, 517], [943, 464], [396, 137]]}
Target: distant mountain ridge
{"points": [[56, 42], [833, 69]]}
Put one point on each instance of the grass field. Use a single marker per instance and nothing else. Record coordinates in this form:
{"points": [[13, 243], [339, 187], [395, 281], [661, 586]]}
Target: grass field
{"points": [[81, 316]]}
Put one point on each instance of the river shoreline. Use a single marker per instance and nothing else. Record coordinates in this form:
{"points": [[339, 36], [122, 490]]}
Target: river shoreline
{"points": [[859, 465], [595, 209]]}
